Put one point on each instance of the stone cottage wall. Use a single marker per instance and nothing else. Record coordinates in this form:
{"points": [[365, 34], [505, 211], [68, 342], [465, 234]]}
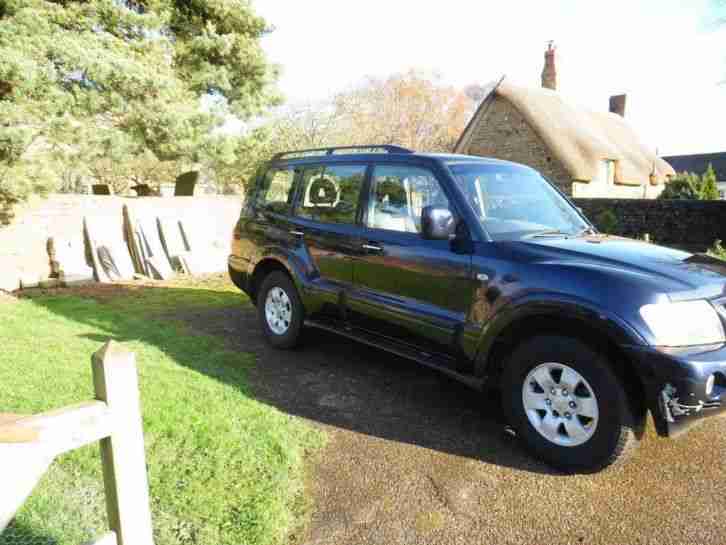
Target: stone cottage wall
{"points": [[603, 189], [503, 133]]}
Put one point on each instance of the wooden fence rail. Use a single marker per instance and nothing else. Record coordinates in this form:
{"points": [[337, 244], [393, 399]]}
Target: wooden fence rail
{"points": [[28, 445]]}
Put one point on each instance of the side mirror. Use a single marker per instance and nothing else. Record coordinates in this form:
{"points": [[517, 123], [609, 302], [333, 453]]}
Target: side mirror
{"points": [[437, 223]]}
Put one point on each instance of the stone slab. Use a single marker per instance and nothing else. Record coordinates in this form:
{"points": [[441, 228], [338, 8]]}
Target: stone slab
{"points": [[156, 262], [159, 268], [112, 259]]}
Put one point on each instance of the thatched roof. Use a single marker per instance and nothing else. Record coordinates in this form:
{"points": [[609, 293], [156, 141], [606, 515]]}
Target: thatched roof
{"points": [[578, 137]]}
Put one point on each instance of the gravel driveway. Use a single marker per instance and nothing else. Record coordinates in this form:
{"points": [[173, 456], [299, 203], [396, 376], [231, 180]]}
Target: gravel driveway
{"points": [[414, 457]]}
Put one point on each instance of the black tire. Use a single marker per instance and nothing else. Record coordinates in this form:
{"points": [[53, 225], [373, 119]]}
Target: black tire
{"points": [[291, 337], [614, 437]]}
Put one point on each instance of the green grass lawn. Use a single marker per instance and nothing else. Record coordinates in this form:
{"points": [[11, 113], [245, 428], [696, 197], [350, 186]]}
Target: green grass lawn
{"points": [[223, 467]]}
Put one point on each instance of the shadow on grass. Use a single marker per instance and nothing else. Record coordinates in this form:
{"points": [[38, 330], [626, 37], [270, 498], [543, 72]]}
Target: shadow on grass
{"points": [[20, 534], [329, 380]]}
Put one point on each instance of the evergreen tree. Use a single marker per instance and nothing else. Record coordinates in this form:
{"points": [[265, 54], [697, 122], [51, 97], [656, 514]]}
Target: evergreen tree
{"points": [[121, 78], [708, 190], [688, 185], [683, 186]]}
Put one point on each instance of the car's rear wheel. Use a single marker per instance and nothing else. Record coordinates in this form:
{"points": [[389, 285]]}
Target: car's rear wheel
{"points": [[280, 310], [567, 405]]}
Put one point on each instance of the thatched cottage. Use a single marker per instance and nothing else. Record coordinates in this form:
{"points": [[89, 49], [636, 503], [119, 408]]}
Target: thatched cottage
{"points": [[586, 153]]}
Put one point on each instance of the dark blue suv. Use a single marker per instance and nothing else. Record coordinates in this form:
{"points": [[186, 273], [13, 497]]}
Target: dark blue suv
{"points": [[483, 270]]}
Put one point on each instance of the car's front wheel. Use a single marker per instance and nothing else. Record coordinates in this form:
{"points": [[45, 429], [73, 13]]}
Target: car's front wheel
{"points": [[567, 404], [280, 310]]}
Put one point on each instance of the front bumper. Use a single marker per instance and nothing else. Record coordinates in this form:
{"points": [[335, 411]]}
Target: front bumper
{"points": [[675, 381]]}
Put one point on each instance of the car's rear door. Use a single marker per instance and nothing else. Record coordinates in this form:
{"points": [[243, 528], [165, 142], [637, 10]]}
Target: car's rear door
{"points": [[416, 290], [327, 224]]}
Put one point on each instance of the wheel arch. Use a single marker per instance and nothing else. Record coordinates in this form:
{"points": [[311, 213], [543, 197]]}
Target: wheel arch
{"points": [[264, 267], [593, 329]]}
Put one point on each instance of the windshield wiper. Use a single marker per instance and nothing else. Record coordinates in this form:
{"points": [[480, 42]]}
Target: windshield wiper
{"points": [[548, 233]]}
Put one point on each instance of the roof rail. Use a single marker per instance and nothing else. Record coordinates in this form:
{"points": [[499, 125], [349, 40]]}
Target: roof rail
{"points": [[331, 150]]}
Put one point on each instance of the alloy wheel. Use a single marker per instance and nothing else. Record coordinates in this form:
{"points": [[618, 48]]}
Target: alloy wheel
{"points": [[560, 404], [278, 310]]}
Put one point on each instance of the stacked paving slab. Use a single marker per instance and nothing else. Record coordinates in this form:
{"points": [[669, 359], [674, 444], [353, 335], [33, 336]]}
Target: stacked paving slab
{"points": [[76, 239]]}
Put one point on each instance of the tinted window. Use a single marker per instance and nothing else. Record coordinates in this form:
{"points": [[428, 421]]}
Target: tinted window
{"points": [[399, 195], [331, 194], [276, 192]]}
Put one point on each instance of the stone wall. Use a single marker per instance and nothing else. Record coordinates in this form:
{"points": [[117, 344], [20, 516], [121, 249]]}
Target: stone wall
{"points": [[503, 133], [23, 250], [692, 225]]}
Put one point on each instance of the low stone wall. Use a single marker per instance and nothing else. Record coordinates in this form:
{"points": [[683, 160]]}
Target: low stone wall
{"points": [[23, 244], [692, 225]]}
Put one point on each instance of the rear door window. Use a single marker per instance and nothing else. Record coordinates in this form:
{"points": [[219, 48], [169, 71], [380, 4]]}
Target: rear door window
{"points": [[331, 194], [276, 192]]}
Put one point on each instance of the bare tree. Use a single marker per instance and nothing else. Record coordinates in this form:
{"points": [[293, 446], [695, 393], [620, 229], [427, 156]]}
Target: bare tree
{"points": [[409, 109]]}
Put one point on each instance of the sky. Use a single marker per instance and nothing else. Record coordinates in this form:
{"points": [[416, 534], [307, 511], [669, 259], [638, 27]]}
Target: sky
{"points": [[662, 53]]}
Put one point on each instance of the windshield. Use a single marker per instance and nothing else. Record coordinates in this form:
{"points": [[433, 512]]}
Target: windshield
{"points": [[514, 202]]}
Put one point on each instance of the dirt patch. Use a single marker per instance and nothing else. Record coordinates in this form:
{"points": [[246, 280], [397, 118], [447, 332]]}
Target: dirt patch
{"points": [[98, 292], [416, 458], [134, 288]]}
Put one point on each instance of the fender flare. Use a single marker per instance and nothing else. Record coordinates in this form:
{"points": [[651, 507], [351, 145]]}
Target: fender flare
{"points": [[557, 306], [296, 268]]}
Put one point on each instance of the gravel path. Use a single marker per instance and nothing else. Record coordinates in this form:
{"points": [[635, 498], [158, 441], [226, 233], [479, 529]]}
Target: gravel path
{"points": [[416, 458]]}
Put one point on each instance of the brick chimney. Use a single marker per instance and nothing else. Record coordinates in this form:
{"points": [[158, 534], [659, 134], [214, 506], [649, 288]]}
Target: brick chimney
{"points": [[617, 104], [549, 73]]}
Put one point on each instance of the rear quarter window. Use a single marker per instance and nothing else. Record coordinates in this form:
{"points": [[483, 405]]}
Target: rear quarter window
{"points": [[274, 191]]}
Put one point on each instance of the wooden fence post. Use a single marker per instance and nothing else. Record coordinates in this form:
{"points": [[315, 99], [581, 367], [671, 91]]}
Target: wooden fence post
{"points": [[122, 454]]}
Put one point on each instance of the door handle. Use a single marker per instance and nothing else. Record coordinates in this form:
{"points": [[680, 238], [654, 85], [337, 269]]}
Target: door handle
{"points": [[297, 233], [372, 248]]}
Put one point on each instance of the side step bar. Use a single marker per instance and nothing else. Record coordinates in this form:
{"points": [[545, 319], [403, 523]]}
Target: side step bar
{"points": [[400, 349]]}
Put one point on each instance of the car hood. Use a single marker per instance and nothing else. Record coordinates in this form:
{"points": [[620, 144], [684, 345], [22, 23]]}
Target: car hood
{"points": [[681, 275]]}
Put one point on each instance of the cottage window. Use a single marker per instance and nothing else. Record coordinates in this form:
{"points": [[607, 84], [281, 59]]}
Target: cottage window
{"points": [[606, 173]]}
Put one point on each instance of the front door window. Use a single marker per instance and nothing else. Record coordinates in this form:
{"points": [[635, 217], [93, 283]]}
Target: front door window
{"points": [[399, 195]]}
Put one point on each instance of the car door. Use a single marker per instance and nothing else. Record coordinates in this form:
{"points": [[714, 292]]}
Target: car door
{"points": [[328, 227], [415, 290]]}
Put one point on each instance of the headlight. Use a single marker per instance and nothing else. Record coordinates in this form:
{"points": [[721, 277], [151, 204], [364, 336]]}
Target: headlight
{"points": [[683, 324]]}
